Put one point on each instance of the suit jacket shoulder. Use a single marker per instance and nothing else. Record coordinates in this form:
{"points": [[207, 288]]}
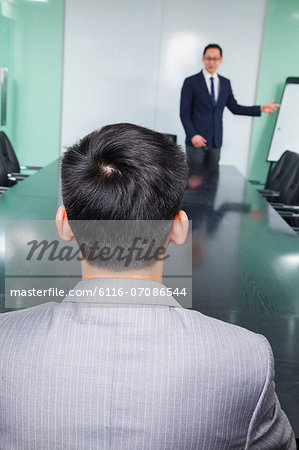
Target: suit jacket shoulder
{"points": [[194, 78], [221, 78], [229, 331], [224, 83], [244, 358]]}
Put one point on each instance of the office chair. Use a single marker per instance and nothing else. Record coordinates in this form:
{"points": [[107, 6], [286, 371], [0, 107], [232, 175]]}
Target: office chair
{"points": [[172, 137], [10, 161], [292, 219], [279, 176], [5, 182], [287, 159], [288, 201], [289, 191]]}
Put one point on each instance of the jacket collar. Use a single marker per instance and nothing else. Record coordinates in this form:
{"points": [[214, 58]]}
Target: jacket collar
{"points": [[120, 292]]}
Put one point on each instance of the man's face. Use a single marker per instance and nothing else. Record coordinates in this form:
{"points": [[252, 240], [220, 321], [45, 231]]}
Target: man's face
{"points": [[212, 60]]}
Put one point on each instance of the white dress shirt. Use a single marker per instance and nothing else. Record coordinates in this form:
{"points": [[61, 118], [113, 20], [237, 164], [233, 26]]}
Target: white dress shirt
{"points": [[208, 76]]}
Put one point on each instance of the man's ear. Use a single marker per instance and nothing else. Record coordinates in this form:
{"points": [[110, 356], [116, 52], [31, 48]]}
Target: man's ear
{"points": [[179, 231], [62, 225]]}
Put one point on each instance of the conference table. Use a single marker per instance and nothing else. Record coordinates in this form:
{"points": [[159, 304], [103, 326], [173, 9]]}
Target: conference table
{"points": [[245, 259]]}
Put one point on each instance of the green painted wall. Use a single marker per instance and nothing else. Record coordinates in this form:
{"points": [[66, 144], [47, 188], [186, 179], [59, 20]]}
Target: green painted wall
{"points": [[33, 49], [280, 59]]}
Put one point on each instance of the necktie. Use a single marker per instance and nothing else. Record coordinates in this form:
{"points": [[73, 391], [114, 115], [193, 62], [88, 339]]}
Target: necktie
{"points": [[212, 91]]}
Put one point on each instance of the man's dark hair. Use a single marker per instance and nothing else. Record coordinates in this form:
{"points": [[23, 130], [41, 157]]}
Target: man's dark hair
{"points": [[213, 46], [123, 172]]}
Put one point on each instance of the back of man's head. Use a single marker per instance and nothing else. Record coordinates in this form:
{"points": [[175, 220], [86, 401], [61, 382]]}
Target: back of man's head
{"points": [[123, 172], [130, 178]]}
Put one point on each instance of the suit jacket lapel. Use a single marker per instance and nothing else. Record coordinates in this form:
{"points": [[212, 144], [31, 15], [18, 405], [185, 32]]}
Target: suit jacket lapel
{"points": [[221, 91]]}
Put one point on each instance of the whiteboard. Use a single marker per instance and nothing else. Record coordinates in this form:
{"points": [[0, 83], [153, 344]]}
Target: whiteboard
{"points": [[286, 131]]}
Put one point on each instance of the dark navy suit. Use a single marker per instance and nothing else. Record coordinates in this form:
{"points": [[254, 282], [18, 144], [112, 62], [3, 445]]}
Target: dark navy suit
{"points": [[198, 114]]}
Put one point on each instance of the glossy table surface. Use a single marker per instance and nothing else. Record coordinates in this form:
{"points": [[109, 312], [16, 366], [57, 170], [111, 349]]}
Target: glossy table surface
{"points": [[245, 260]]}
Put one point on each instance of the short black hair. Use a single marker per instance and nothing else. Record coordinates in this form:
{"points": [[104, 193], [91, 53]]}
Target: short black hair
{"points": [[213, 46], [122, 172]]}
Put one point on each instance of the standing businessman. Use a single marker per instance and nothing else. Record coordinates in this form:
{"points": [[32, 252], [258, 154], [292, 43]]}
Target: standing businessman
{"points": [[203, 99]]}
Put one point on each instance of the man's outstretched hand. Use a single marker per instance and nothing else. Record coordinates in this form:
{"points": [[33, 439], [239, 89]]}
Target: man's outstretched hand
{"points": [[270, 107]]}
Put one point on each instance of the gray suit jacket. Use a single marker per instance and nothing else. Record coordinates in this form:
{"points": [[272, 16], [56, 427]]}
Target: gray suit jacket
{"points": [[101, 372]]}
